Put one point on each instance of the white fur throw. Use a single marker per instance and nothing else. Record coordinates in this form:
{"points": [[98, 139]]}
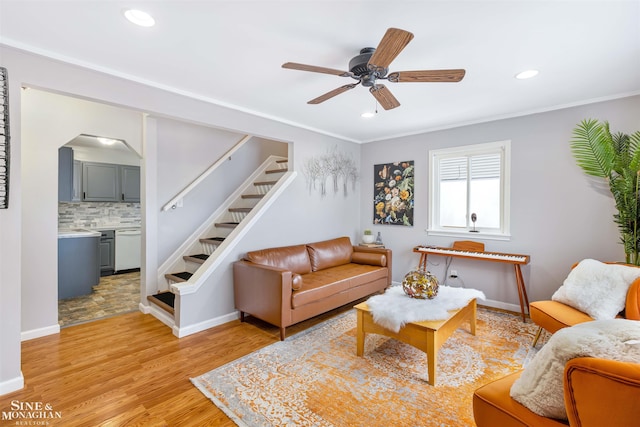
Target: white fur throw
{"points": [[394, 308], [596, 288], [540, 386]]}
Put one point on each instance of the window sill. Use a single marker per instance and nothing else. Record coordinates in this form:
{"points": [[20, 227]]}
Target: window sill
{"points": [[469, 235]]}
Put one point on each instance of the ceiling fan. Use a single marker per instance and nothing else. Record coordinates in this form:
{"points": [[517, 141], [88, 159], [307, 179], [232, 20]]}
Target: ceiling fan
{"points": [[372, 65]]}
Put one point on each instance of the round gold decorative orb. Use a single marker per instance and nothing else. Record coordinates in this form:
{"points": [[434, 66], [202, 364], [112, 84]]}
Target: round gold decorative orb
{"points": [[420, 284]]}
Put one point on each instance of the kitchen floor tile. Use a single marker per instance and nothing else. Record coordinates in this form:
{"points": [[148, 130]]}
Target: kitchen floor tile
{"points": [[115, 294]]}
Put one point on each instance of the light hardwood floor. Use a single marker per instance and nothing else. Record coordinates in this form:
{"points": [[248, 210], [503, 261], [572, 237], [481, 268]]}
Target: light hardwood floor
{"points": [[130, 370]]}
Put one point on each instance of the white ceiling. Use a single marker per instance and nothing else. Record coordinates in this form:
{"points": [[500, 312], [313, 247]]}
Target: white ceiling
{"points": [[231, 52]]}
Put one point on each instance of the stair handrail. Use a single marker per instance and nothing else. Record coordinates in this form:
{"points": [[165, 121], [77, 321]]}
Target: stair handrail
{"points": [[215, 260], [173, 203]]}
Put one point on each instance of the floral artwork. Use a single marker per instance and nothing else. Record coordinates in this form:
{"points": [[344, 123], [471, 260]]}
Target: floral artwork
{"points": [[393, 193]]}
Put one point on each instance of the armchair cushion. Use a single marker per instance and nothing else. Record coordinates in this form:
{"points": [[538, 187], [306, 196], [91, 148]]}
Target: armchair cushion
{"points": [[540, 387], [596, 288]]}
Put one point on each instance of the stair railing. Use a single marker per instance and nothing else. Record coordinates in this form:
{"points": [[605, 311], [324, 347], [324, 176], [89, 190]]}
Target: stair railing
{"points": [[175, 261], [175, 201], [219, 255]]}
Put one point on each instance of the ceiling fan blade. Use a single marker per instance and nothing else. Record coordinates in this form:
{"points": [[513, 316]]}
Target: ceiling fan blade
{"points": [[427, 76], [384, 96], [392, 43], [332, 93], [313, 68]]}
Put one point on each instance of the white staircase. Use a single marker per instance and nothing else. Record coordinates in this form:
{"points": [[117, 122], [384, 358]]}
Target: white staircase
{"points": [[186, 270]]}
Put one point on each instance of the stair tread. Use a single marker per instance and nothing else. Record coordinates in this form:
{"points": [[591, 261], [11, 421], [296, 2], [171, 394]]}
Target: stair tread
{"points": [[240, 209], [183, 275], [265, 183], [282, 161], [164, 300], [226, 224], [252, 196], [276, 170], [198, 256], [215, 239]]}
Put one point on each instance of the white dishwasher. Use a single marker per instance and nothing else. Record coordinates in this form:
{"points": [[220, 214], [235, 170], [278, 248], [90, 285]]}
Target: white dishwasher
{"points": [[127, 249]]}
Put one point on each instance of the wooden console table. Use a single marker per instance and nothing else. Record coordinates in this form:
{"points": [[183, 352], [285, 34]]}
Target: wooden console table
{"points": [[475, 250]]}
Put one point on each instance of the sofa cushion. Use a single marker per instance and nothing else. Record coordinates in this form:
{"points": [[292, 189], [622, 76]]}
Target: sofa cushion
{"points": [[292, 258], [370, 258], [330, 253], [324, 283]]}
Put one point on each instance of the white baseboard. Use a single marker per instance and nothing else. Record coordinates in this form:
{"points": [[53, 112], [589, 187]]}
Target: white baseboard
{"points": [[198, 327], [501, 305], [12, 385], [40, 332]]}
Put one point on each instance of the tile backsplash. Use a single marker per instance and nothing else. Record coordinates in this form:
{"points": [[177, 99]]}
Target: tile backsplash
{"points": [[98, 214]]}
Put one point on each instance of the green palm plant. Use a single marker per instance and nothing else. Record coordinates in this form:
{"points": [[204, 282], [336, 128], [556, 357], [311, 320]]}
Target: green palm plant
{"points": [[616, 159]]}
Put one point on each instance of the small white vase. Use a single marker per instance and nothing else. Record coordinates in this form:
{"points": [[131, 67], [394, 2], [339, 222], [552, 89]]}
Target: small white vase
{"points": [[368, 238]]}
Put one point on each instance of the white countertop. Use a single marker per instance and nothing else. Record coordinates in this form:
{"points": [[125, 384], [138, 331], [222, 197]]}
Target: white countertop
{"points": [[66, 233], [115, 227]]}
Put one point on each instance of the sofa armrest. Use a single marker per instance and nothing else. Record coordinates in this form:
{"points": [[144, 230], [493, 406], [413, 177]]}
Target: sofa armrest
{"points": [[632, 305], [263, 291], [599, 392], [386, 252]]}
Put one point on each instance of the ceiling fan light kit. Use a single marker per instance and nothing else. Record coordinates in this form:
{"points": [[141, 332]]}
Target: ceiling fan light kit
{"points": [[372, 64], [527, 74]]}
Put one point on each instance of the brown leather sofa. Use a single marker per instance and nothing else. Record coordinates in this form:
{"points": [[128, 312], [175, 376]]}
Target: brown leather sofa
{"points": [[286, 285], [597, 392]]}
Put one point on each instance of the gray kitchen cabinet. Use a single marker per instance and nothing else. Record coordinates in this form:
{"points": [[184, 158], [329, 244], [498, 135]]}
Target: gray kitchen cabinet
{"points": [[65, 174], [78, 268], [129, 183], [76, 195], [100, 182]]}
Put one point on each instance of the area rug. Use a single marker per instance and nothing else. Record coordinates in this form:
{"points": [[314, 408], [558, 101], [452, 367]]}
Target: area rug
{"points": [[314, 378]]}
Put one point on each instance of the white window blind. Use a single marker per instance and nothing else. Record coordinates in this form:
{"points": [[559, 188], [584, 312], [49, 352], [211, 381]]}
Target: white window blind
{"points": [[466, 180]]}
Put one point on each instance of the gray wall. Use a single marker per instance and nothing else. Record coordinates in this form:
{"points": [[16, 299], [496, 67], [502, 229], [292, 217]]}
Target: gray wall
{"points": [[557, 215], [185, 151], [28, 306]]}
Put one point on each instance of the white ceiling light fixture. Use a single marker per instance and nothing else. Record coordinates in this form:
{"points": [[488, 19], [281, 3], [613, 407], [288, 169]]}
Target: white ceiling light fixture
{"points": [[107, 141], [527, 74], [139, 17], [370, 114]]}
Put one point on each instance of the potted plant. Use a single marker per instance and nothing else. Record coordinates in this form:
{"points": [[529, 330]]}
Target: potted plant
{"points": [[616, 159], [367, 236]]}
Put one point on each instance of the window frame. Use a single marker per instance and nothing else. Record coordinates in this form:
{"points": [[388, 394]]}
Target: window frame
{"points": [[501, 147]]}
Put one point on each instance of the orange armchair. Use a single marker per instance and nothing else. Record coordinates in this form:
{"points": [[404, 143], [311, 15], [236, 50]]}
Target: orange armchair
{"points": [[597, 392], [553, 315]]}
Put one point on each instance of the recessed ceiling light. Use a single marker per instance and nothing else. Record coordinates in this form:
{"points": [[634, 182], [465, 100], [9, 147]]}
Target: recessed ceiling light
{"points": [[527, 74], [107, 141], [367, 115], [139, 17]]}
